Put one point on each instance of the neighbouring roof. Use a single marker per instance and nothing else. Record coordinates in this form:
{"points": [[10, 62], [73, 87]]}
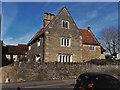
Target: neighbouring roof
{"points": [[21, 49], [88, 37], [39, 33]]}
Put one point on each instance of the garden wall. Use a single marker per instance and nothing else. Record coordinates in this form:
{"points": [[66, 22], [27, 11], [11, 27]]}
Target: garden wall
{"points": [[51, 71]]}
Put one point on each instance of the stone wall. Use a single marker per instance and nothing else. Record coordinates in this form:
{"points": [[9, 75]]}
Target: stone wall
{"points": [[91, 54], [8, 73], [36, 50], [55, 32], [51, 71]]}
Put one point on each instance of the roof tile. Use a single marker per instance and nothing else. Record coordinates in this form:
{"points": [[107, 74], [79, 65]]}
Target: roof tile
{"points": [[88, 37], [17, 50], [40, 32]]}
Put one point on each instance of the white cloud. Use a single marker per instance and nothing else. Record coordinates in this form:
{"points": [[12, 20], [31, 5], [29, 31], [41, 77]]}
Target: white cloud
{"points": [[25, 38], [92, 15], [108, 20], [14, 41], [88, 18], [8, 16]]}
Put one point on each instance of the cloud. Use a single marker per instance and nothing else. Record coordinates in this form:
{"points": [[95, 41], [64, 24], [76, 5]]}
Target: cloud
{"points": [[10, 11], [25, 38], [98, 23], [108, 20], [14, 41], [90, 16]]}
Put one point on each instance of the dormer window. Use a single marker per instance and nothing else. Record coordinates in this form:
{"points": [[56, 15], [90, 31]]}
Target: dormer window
{"points": [[65, 24], [29, 47]]}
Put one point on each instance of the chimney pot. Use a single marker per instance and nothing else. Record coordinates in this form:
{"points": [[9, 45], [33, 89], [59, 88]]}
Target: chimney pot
{"points": [[47, 18], [89, 27]]}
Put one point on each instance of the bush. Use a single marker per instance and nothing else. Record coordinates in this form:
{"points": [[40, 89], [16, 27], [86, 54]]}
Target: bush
{"points": [[108, 57], [103, 62]]}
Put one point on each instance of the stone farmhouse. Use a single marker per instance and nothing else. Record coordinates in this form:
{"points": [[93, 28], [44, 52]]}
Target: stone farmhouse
{"points": [[60, 40]]}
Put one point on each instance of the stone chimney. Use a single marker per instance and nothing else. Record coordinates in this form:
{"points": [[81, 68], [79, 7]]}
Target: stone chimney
{"points": [[47, 18], [89, 28]]}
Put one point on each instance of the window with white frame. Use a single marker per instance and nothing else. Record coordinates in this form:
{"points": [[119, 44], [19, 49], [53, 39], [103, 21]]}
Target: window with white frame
{"points": [[29, 47], [65, 58], [38, 42], [66, 42], [65, 24], [92, 47]]}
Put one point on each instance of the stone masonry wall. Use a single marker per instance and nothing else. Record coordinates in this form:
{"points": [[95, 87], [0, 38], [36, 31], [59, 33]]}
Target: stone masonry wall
{"points": [[35, 50], [55, 32], [52, 71], [88, 54]]}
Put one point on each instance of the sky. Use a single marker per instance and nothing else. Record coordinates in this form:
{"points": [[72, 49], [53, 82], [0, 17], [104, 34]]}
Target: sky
{"points": [[21, 20]]}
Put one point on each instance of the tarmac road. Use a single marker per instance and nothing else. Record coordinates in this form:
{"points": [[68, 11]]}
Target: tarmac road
{"points": [[41, 85]]}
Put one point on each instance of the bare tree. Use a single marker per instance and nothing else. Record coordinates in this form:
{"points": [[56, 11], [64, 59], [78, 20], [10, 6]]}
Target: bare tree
{"points": [[110, 40]]}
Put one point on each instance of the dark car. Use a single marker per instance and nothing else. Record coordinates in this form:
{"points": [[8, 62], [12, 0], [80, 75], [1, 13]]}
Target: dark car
{"points": [[95, 81]]}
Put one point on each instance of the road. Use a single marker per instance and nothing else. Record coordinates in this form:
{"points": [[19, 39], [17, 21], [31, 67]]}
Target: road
{"points": [[41, 85]]}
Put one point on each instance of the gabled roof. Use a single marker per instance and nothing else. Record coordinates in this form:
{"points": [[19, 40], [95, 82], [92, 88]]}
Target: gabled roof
{"points": [[58, 15], [88, 37], [39, 33], [21, 49]]}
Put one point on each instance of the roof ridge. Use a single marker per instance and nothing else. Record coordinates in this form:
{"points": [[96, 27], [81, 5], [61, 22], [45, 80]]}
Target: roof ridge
{"points": [[95, 37], [59, 13], [82, 29]]}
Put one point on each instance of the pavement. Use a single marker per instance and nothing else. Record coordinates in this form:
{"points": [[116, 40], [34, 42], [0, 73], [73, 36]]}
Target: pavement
{"points": [[41, 85]]}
